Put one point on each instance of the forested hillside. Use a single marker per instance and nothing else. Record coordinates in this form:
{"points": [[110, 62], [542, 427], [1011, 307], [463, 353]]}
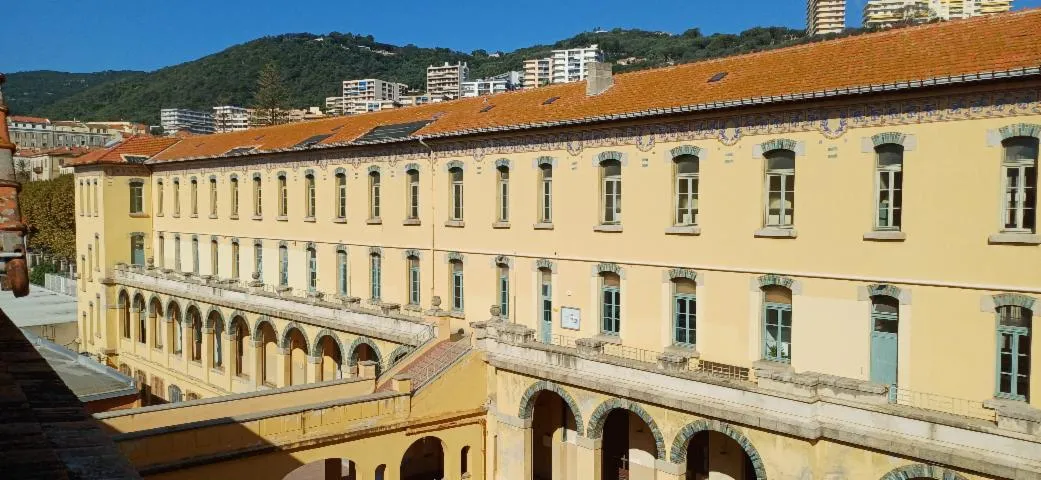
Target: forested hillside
{"points": [[314, 65]]}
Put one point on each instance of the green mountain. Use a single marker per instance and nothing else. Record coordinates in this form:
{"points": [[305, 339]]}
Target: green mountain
{"points": [[314, 65]]}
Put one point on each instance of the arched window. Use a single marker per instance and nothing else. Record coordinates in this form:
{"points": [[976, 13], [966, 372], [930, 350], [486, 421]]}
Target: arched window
{"points": [[503, 193], [546, 193], [464, 460], [309, 196], [777, 323], [686, 171], [780, 188], [177, 252], [889, 183], [178, 334], [196, 335], [177, 197], [611, 192], [174, 394], [341, 195], [234, 194], [160, 254], [611, 303], [283, 196], [503, 287], [1019, 169], [235, 259], [137, 197], [194, 196], [195, 256], [142, 327], [213, 197], [283, 265], [1014, 332], [684, 312], [159, 198], [374, 195], [456, 269], [455, 176], [413, 280], [312, 269], [218, 343], [413, 194], [375, 272], [258, 197], [124, 315]]}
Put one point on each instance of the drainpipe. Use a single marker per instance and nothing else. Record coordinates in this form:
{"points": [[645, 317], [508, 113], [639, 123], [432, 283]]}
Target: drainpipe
{"points": [[15, 273], [433, 212]]}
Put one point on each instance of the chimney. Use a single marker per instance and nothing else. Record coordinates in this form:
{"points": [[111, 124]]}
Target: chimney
{"points": [[598, 78]]}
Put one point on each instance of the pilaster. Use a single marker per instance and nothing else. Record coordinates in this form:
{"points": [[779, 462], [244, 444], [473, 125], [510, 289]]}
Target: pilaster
{"points": [[590, 451]]}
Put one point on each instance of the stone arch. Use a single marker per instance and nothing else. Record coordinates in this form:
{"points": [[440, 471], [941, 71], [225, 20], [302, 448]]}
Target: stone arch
{"points": [[1014, 299], [883, 138], [412, 166], [776, 280], [325, 332], [602, 268], [545, 263], [687, 273], [685, 150], [397, 355], [258, 323], [503, 162], [778, 144], [599, 416], [367, 341], [206, 323], [609, 155], [152, 302], [374, 169], [138, 300], [920, 470], [233, 325], [283, 341], [455, 164], [172, 304], [527, 403], [679, 444], [546, 160], [1020, 130]]}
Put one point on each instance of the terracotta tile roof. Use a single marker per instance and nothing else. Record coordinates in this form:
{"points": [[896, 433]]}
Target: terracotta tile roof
{"points": [[26, 119], [145, 146], [36, 152], [986, 44]]}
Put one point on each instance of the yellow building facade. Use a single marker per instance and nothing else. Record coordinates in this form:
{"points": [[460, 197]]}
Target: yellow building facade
{"points": [[872, 320]]}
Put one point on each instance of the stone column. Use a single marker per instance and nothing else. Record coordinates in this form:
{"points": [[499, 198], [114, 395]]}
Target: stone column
{"points": [[258, 362], [285, 367], [666, 470], [228, 358], [207, 351], [314, 369], [514, 455], [589, 458]]}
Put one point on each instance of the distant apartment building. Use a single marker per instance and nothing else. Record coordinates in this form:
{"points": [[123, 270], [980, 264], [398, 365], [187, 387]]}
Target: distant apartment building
{"points": [[446, 80], [886, 13], [228, 118], [176, 120], [335, 106], [570, 65], [488, 86], [413, 100], [537, 72], [37, 132], [825, 16], [46, 164], [370, 95]]}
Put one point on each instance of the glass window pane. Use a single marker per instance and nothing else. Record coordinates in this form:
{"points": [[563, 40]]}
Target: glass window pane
{"points": [[780, 159]]}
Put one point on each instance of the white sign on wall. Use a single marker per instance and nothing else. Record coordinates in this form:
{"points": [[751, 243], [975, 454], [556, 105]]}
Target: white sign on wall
{"points": [[570, 318]]}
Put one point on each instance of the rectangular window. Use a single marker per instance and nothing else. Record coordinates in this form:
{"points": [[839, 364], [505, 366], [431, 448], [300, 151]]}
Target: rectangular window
{"points": [[374, 195], [413, 194], [780, 188], [413, 281], [195, 256], [546, 195], [213, 197], [159, 198], [777, 332], [214, 259], [258, 209], [457, 286], [312, 269], [177, 197], [503, 196], [889, 197], [341, 195], [160, 256], [1020, 179], [195, 197], [235, 260], [611, 306], [283, 197], [258, 260], [611, 171], [374, 276], [95, 187], [684, 306], [234, 197], [309, 194], [341, 273], [283, 266], [687, 178], [1014, 325], [504, 291], [177, 253], [457, 193], [546, 294], [137, 197]]}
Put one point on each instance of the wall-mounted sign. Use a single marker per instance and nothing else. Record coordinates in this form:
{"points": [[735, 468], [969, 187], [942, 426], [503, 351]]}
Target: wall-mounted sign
{"points": [[570, 318]]}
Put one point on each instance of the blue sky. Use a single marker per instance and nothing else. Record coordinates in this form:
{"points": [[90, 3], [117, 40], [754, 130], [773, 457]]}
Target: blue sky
{"points": [[91, 35]]}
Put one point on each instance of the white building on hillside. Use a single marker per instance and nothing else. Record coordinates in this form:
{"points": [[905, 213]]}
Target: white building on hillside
{"points": [[174, 120], [229, 118]]}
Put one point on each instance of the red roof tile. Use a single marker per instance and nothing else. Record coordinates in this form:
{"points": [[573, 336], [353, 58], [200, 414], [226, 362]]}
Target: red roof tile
{"points": [[26, 119], [145, 146], [987, 44]]}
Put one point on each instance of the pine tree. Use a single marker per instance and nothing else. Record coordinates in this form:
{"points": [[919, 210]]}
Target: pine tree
{"points": [[271, 96]]}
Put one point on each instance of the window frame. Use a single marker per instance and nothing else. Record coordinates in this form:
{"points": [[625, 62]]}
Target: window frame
{"points": [[895, 174], [412, 194], [234, 187], [137, 197], [312, 269], [780, 308], [258, 196], [786, 177], [283, 266], [341, 195], [159, 198], [457, 285], [258, 260], [414, 280], [213, 197], [375, 183], [137, 241], [342, 273], [195, 256], [689, 331], [283, 196], [456, 193], [1016, 334], [310, 198], [375, 276], [194, 196], [177, 197], [502, 193], [545, 193], [693, 181], [1025, 210], [214, 258], [610, 193], [503, 289], [235, 267], [610, 311]]}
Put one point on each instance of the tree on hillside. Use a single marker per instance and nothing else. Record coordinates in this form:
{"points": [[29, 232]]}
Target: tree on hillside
{"points": [[271, 97]]}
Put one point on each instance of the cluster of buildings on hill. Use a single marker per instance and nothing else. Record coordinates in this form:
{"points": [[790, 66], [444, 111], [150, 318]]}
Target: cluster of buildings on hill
{"points": [[829, 16], [444, 82], [44, 145]]}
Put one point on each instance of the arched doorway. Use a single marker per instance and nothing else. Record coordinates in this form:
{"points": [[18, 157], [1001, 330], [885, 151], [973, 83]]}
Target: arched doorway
{"points": [[296, 343], [326, 469], [424, 460], [269, 354], [714, 449], [155, 313], [364, 351], [328, 349], [553, 433], [194, 333], [140, 311], [124, 314], [216, 339], [629, 448]]}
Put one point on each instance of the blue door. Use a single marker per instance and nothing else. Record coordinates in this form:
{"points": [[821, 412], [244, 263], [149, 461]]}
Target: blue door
{"points": [[546, 332], [885, 321]]}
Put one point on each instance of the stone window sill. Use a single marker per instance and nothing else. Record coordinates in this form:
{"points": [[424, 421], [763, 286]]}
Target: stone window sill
{"points": [[194, 215], [233, 217], [772, 365], [257, 217], [501, 225], [885, 236], [543, 226], [775, 232], [455, 224], [456, 314], [213, 216], [217, 370], [1014, 238], [374, 221], [309, 219], [613, 228], [609, 338], [683, 230], [139, 215], [339, 220], [176, 215], [689, 351], [282, 218], [159, 214], [411, 222], [413, 308]]}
